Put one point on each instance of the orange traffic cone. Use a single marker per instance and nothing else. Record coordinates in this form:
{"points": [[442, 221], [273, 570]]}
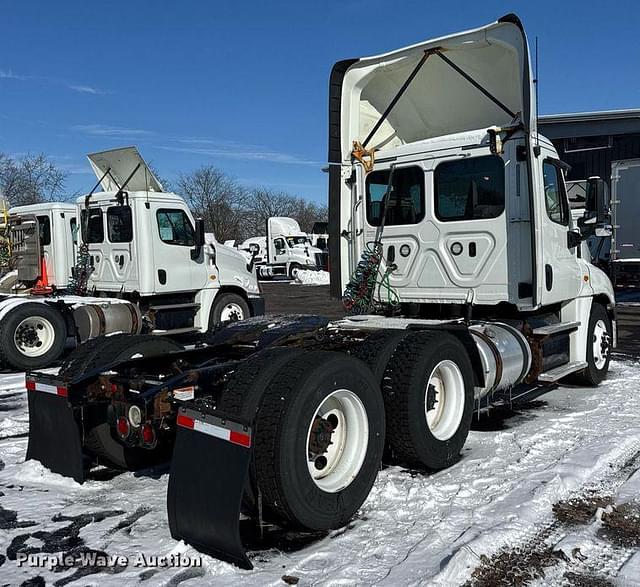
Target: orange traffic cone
{"points": [[42, 284]]}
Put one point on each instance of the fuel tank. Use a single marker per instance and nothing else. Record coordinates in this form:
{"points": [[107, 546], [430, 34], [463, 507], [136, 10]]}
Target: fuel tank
{"points": [[99, 319], [505, 355]]}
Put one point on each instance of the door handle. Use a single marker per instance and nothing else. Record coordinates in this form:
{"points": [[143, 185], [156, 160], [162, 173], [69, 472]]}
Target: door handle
{"points": [[548, 276]]}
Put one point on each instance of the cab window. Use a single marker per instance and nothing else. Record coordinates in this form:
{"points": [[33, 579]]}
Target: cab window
{"points": [[73, 225], [279, 245], [92, 226], [119, 224], [554, 196], [469, 189], [405, 204], [44, 226], [175, 228]]}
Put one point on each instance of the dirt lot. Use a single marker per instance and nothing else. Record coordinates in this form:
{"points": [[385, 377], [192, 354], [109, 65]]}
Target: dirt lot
{"points": [[284, 298]]}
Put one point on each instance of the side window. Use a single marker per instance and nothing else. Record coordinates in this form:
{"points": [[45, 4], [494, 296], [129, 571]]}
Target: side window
{"points": [[119, 224], [279, 245], [554, 197], [73, 225], [175, 228], [469, 189], [44, 226], [405, 203], [92, 226]]}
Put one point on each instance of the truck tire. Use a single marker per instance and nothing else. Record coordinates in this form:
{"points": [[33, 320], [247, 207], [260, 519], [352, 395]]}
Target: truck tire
{"points": [[241, 397], [429, 396], [100, 439], [319, 437], [599, 337], [229, 307], [294, 269], [376, 350], [32, 336]]}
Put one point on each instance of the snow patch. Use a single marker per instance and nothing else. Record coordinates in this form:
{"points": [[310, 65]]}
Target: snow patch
{"points": [[307, 277]]}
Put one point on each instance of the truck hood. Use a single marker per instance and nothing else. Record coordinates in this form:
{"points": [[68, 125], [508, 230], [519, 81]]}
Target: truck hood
{"points": [[439, 101], [120, 163]]}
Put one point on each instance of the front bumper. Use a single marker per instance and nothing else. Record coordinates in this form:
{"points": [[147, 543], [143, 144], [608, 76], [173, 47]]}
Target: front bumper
{"points": [[256, 305]]}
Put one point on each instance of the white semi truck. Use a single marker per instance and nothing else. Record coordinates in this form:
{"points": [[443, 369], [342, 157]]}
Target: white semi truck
{"points": [[130, 258], [454, 249], [284, 251]]}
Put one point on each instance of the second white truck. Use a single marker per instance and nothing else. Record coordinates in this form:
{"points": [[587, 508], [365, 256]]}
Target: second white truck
{"points": [[130, 258]]}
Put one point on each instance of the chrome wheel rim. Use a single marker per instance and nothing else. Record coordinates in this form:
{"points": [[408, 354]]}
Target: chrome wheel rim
{"points": [[232, 312], [34, 336]]}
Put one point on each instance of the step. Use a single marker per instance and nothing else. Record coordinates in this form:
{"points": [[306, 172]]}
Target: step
{"points": [[174, 306], [562, 371], [555, 328], [175, 331]]}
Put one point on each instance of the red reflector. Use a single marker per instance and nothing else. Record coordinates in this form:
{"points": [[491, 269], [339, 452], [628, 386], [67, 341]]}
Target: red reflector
{"points": [[123, 427], [148, 435], [114, 388], [240, 438], [185, 421], [62, 391], [31, 385]]}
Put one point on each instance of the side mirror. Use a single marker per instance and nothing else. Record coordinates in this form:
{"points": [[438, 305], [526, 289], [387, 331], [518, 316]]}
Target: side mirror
{"points": [[199, 233], [597, 201], [254, 248], [198, 238]]}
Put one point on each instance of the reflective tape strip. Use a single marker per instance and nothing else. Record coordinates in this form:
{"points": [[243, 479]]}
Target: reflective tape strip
{"points": [[32, 385], [240, 438]]}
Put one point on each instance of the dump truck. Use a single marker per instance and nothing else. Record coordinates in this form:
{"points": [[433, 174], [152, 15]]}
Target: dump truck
{"points": [[453, 248], [129, 258]]}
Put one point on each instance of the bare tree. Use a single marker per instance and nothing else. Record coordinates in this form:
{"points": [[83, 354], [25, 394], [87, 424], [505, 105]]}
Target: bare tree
{"points": [[263, 203], [31, 179], [216, 198]]}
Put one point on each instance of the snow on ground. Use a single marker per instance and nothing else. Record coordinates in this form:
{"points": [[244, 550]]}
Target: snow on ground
{"points": [[307, 277], [414, 529]]}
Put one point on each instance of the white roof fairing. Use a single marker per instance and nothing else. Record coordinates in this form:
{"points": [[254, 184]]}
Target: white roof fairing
{"points": [[439, 101], [121, 163]]}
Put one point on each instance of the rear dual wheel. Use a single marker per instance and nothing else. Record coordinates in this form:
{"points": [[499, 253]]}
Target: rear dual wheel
{"points": [[318, 436]]}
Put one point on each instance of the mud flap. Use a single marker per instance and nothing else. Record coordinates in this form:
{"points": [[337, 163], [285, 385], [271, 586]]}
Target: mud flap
{"points": [[208, 474], [54, 434]]}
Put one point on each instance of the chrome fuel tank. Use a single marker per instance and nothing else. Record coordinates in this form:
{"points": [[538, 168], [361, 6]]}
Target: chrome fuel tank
{"points": [[99, 319], [505, 355]]}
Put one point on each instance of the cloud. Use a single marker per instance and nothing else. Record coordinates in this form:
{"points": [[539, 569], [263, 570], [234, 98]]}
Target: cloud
{"points": [[8, 74], [103, 130], [88, 90], [75, 87], [235, 150]]}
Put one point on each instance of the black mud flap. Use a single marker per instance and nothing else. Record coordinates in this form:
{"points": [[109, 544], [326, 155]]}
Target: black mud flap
{"points": [[54, 434], [208, 474]]}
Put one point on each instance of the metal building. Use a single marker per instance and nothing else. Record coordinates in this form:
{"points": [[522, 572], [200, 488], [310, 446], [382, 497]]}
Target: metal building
{"points": [[606, 144]]}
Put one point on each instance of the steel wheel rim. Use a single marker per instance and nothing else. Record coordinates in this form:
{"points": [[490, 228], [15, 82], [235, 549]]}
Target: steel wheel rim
{"points": [[343, 458], [231, 312], [600, 344], [445, 413], [34, 336]]}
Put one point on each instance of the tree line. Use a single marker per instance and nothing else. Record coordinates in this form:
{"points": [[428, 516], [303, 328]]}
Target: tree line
{"points": [[230, 210]]}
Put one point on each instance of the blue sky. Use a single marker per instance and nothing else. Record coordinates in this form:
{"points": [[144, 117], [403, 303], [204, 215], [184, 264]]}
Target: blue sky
{"points": [[243, 85]]}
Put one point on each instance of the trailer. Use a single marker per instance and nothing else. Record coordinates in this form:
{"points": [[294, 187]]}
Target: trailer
{"points": [[130, 258], [453, 247]]}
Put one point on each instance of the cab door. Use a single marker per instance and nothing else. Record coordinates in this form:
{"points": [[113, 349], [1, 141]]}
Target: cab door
{"points": [[173, 235], [560, 275]]}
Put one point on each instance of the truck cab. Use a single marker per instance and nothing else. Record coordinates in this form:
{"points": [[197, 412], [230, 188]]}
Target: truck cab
{"points": [[437, 169], [144, 243], [44, 240]]}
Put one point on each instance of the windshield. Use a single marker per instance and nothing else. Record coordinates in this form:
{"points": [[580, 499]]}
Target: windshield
{"points": [[297, 240]]}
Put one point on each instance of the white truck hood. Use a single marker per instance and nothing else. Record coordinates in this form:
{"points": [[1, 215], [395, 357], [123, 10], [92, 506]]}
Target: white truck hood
{"points": [[439, 101]]}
